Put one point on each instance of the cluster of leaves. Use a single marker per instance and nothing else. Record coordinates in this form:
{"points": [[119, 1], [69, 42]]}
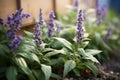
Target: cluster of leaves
{"points": [[28, 62]]}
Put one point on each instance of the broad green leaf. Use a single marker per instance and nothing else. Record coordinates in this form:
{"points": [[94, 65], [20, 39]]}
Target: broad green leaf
{"points": [[23, 66], [47, 71], [87, 56], [54, 52], [11, 73], [63, 42], [38, 74], [30, 56], [82, 52], [68, 66], [92, 51], [48, 50], [92, 67], [92, 58]]}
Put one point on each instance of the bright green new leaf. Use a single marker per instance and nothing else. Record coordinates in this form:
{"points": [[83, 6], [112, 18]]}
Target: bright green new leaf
{"points": [[47, 71], [68, 66]]}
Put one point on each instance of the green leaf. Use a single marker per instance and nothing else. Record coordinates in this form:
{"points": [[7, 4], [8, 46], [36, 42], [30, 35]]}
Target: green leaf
{"points": [[29, 34], [38, 74], [97, 38], [22, 65], [84, 44], [76, 71], [30, 56], [87, 56], [64, 42], [48, 50], [68, 66], [3, 50], [92, 58], [56, 76], [54, 52], [92, 67], [82, 52], [105, 46], [47, 71], [92, 51], [11, 73]]}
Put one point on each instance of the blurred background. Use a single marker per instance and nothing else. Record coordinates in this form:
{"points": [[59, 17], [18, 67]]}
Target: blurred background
{"points": [[58, 6]]}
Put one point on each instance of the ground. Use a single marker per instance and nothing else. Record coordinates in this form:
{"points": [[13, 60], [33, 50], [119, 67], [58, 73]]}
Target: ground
{"points": [[109, 70]]}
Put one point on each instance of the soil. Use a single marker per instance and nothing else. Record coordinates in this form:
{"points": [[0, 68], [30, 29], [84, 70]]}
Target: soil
{"points": [[107, 70]]}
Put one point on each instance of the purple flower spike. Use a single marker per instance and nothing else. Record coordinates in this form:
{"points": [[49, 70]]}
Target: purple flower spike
{"points": [[80, 28], [76, 3], [15, 43], [51, 15], [41, 18], [1, 21], [109, 32], [37, 34], [100, 12], [14, 21], [51, 24]]}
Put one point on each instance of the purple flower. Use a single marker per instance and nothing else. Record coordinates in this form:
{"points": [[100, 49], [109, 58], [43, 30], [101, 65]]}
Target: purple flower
{"points": [[76, 3], [15, 43], [80, 29], [14, 21], [1, 21], [51, 24], [11, 34], [25, 15], [97, 3], [100, 12], [41, 18], [108, 35], [37, 34]]}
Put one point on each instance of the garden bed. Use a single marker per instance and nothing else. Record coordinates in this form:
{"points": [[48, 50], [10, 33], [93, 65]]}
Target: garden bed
{"points": [[107, 70]]}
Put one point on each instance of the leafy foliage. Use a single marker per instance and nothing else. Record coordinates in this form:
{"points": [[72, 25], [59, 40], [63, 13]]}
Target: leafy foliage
{"points": [[30, 62]]}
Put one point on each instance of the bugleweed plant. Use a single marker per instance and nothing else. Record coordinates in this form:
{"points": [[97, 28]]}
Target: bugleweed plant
{"points": [[58, 55], [43, 54], [17, 55], [102, 26]]}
